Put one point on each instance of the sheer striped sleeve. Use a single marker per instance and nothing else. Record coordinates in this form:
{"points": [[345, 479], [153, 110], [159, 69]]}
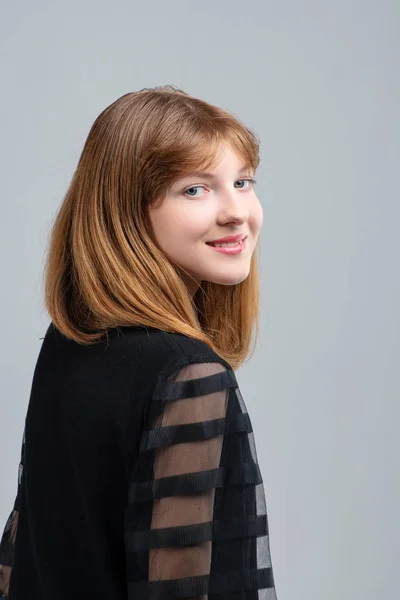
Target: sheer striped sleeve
{"points": [[196, 524], [9, 535]]}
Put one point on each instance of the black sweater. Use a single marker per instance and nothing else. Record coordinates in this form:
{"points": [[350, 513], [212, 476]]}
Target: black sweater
{"points": [[138, 476]]}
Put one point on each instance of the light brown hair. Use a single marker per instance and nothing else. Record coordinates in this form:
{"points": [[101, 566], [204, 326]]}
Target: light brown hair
{"points": [[103, 267]]}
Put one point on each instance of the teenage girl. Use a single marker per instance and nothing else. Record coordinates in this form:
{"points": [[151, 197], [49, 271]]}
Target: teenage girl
{"points": [[139, 476]]}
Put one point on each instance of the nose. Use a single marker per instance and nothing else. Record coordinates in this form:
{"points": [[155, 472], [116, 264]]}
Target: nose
{"points": [[234, 207]]}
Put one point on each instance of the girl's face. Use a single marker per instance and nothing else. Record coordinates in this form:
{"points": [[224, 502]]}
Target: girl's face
{"points": [[201, 208]]}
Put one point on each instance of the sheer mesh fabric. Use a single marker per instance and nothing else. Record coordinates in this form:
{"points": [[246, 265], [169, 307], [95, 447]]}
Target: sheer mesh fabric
{"points": [[7, 543], [196, 523]]}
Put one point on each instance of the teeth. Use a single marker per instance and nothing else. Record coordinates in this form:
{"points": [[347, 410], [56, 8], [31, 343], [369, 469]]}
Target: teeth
{"points": [[227, 245]]}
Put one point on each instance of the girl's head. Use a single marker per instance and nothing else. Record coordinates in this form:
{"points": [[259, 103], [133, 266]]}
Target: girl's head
{"points": [[129, 245]]}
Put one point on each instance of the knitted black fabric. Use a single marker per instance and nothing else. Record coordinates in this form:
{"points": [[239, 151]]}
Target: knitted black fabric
{"points": [[139, 477]]}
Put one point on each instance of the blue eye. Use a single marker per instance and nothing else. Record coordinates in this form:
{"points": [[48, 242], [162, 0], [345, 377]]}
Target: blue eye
{"points": [[196, 187], [250, 180], [193, 188]]}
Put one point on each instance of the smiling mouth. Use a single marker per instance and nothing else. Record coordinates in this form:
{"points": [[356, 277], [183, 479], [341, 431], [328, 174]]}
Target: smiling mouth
{"points": [[227, 244]]}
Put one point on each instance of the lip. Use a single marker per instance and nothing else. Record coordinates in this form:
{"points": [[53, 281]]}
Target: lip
{"points": [[238, 249], [228, 239]]}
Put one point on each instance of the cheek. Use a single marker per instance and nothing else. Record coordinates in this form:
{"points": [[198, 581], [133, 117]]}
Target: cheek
{"points": [[174, 229], [256, 217], [188, 224]]}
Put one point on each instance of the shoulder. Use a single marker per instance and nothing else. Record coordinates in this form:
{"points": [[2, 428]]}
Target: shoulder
{"points": [[140, 352], [167, 349], [161, 366]]}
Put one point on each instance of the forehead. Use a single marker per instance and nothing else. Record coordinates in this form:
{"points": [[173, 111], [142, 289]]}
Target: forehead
{"points": [[210, 175]]}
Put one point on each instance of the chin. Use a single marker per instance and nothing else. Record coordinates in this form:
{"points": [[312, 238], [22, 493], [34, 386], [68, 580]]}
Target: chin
{"points": [[226, 280]]}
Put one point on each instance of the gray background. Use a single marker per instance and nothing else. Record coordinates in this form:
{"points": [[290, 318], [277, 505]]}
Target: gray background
{"points": [[319, 82]]}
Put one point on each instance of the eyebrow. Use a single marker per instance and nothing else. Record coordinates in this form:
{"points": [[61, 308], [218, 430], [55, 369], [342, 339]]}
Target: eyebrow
{"points": [[211, 175]]}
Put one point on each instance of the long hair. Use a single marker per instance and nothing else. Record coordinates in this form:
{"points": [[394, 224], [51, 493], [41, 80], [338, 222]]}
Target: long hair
{"points": [[103, 268]]}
